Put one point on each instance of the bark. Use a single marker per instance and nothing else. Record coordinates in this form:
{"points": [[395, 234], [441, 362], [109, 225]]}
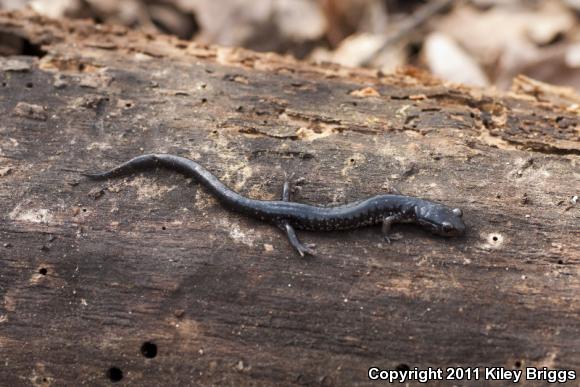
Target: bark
{"points": [[90, 271]]}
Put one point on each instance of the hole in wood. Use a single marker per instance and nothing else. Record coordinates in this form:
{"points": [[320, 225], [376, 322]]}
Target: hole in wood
{"points": [[495, 240], [114, 374], [163, 228], [29, 85], [518, 364], [402, 367], [43, 270], [149, 349]]}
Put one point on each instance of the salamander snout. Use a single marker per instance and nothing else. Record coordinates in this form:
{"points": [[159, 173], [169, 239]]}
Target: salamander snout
{"points": [[451, 229], [441, 220]]}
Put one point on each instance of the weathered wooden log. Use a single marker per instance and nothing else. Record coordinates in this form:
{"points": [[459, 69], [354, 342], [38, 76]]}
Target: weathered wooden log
{"points": [[147, 279]]}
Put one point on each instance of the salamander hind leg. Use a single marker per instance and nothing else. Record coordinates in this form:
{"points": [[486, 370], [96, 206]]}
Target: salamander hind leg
{"points": [[286, 192], [388, 222], [394, 190], [286, 189], [302, 249]]}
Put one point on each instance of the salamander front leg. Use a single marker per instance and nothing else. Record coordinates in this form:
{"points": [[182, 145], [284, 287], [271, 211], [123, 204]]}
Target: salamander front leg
{"points": [[302, 249], [388, 222]]}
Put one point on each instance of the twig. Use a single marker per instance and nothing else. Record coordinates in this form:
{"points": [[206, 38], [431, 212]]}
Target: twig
{"points": [[415, 20]]}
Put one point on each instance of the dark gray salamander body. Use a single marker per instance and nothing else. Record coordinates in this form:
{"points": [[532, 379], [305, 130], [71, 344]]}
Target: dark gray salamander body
{"points": [[287, 215]]}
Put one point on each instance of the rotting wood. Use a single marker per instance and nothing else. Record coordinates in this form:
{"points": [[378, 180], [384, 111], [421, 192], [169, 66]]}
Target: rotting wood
{"points": [[93, 271]]}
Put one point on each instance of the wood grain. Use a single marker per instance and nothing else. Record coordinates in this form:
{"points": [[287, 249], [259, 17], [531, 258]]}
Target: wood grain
{"points": [[92, 271]]}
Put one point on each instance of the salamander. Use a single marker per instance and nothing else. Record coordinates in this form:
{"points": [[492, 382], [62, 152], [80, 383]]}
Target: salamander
{"points": [[385, 209]]}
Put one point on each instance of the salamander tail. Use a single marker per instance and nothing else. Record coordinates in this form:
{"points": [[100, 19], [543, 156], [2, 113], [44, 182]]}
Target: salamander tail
{"points": [[94, 176], [134, 165]]}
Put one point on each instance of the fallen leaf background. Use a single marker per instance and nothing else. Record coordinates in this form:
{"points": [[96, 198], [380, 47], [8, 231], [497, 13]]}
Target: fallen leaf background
{"points": [[477, 42]]}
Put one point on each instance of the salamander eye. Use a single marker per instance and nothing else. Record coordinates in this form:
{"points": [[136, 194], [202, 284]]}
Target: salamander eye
{"points": [[458, 212]]}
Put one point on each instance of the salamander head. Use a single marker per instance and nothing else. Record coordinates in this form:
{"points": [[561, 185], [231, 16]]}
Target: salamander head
{"points": [[439, 219]]}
